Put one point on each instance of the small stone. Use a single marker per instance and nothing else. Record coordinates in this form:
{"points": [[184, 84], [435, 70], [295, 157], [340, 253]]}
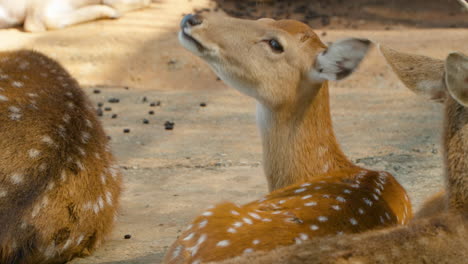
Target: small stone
{"points": [[324, 33], [109, 138], [107, 109], [113, 100], [97, 91], [128, 236], [99, 112], [144, 99], [100, 104], [114, 116], [169, 125], [202, 104], [126, 130], [145, 121], [151, 112], [153, 104]]}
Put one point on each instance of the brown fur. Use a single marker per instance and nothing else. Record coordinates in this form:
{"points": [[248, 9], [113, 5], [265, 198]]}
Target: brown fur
{"points": [[435, 240], [440, 238], [432, 206], [303, 161], [59, 189]]}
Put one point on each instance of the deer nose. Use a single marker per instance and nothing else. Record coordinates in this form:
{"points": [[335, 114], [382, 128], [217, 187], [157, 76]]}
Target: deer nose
{"points": [[190, 21]]}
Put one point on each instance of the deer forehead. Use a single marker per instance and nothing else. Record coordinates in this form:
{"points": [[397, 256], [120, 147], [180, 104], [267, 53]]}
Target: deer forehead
{"points": [[226, 28]]}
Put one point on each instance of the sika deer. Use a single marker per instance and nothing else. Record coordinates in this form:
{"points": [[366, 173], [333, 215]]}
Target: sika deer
{"points": [[441, 238], [317, 191], [59, 189], [41, 15]]}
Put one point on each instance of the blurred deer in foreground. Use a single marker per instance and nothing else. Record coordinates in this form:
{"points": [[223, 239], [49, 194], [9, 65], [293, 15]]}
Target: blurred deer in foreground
{"points": [[440, 238], [41, 15], [59, 187], [317, 191]]}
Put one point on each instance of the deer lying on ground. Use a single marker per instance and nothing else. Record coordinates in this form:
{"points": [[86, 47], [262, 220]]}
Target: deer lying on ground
{"points": [[316, 190], [440, 238], [59, 187], [41, 15]]}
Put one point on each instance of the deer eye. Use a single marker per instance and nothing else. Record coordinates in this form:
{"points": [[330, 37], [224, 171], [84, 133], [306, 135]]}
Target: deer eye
{"points": [[275, 46]]}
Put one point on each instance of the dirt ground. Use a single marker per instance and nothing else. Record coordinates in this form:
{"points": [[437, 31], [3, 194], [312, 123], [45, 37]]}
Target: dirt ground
{"points": [[214, 153]]}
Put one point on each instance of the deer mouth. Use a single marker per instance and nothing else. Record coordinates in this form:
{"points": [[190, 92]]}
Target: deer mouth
{"points": [[188, 40]]}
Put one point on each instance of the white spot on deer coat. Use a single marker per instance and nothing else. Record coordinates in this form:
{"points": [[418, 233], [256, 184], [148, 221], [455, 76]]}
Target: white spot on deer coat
{"points": [[63, 175], [207, 213], [255, 216], [3, 192], [367, 201], [237, 224], [248, 250], [100, 202], [85, 136], [311, 204], [48, 140], [17, 84], [322, 218], [231, 230], [306, 197], [67, 244], [340, 199], [336, 207], [314, 227], [33, 153], [17, 178], [50, 186], [300, 190], [353, 221], [109, 198], [50, 251], [223, 243], [189, 237], [303, 236], [3, 98], [79, 239], [202, 224], [247, 220]]}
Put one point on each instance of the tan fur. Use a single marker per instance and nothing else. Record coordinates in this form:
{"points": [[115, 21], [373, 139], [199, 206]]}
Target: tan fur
{"points": [[432, 206], [59, 187], [440, 238], [316, 190], [41, 15]]}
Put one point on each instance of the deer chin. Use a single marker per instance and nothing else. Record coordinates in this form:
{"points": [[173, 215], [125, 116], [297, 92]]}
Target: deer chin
{"points": [[193, 45]]}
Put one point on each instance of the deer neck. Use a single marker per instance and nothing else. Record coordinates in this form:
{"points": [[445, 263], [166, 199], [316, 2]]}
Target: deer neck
{"points": [[456, 154], [298, 141]]}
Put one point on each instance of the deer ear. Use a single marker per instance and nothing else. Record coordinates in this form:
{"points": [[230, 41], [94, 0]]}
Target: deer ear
{"points": [[422, 75], [340, 59], [456, 77]]}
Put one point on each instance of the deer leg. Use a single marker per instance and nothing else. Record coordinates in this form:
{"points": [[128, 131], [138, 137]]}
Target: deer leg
{"points": [[80, 15]]}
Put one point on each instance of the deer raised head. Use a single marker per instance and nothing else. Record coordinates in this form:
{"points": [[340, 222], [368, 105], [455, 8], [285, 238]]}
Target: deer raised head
{"points": [[59, 186], [441, 236], [316, 190], [442, 81]]}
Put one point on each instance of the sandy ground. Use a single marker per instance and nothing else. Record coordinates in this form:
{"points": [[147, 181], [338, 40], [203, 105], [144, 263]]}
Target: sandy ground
{"points": [[213, 153]]}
